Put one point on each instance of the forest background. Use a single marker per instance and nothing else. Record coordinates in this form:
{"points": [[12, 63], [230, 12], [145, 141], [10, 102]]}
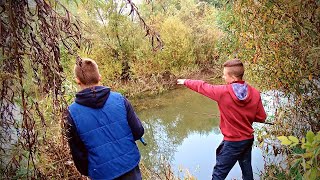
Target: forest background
{"points": [[142, 49]]}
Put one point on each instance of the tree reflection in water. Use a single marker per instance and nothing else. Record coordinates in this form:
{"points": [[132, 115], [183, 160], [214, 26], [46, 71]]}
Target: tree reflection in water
{"points": [[176, 115]]}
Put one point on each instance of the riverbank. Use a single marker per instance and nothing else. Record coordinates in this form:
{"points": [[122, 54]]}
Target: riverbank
{"points": [[142, 91]]}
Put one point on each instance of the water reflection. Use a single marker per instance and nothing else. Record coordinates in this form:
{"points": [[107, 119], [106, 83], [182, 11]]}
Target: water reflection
{"points": [[181, 113], [197, 154], [183, 129], [9, 132]]}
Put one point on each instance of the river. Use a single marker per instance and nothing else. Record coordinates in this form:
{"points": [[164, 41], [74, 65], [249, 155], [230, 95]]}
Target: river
{"points": [[182, 128]]}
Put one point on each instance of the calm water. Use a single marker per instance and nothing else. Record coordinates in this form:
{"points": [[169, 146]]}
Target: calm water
{"points": [[183, 129]]}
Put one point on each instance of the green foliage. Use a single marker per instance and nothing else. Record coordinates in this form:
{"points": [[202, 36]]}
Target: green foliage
{"points": [[125, 54], [110, 34], [228, 46], [177, 51], [217, 3], [304, 162]]}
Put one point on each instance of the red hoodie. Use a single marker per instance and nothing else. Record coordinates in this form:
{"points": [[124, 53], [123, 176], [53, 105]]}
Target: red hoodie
{"points": [[236, 116]]}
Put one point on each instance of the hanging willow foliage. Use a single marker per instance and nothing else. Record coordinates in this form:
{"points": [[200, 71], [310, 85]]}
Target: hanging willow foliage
{"points": [[154, 36], [30, 35]]}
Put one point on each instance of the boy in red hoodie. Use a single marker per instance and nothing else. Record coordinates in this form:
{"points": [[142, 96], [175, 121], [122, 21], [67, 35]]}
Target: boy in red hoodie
{"points": [[239, 105]]}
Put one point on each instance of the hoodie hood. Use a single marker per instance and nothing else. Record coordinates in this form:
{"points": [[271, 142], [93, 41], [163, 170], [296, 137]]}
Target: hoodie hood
{"points": [[240, 93], [240, 90], [93, 97]]}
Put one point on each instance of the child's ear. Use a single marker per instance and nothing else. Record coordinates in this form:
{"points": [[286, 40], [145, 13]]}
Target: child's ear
{"points": [[77, 81], [234, 78], [99, 77]]}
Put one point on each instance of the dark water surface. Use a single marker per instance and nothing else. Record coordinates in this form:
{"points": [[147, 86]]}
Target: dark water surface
{"points": [[183, 129]]}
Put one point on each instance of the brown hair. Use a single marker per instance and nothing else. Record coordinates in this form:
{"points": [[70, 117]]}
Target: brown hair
{"points": [[235, 68], [86, 70]]}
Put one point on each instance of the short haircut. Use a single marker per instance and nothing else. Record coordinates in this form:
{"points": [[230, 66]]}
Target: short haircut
{"points": [[86, 70], [235, 68]]}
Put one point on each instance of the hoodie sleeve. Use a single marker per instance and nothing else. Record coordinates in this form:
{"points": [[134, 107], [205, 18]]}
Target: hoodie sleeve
{"points": [[133, 121], [211, 91], [261, 114], [77, 147]]}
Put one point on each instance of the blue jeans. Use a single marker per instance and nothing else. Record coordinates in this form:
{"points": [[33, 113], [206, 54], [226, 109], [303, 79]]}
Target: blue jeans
{"points": [[228, 153], [134, 174]]}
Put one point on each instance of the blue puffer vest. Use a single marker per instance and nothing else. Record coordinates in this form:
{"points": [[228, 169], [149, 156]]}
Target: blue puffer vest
{"points": [[107, 136]]}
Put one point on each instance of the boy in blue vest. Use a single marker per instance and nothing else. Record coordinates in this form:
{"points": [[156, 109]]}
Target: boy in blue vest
{"points": [[102, 128]]}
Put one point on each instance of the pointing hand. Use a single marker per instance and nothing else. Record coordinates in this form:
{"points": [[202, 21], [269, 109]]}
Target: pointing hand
{"points": [[180, 81]]}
